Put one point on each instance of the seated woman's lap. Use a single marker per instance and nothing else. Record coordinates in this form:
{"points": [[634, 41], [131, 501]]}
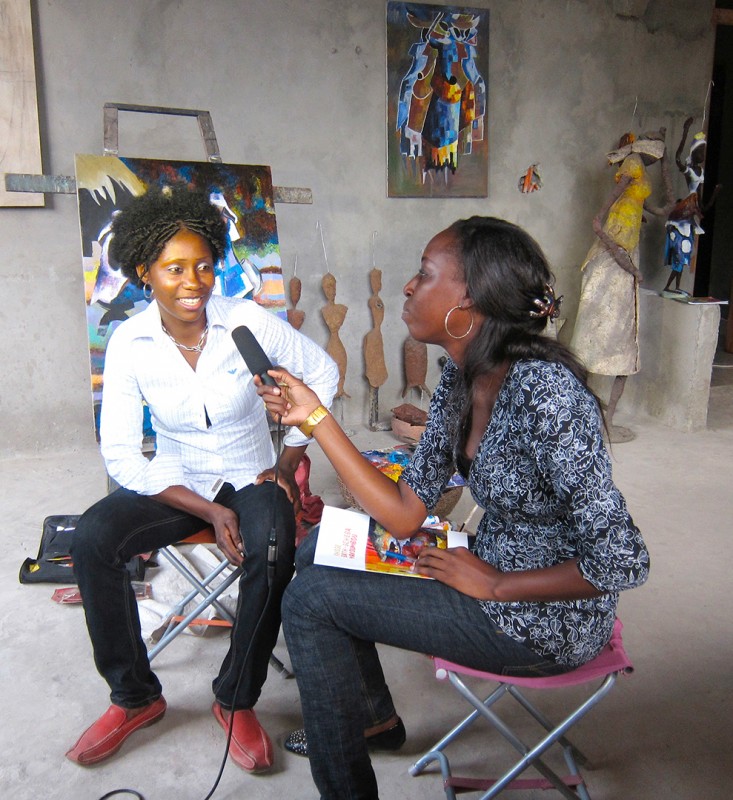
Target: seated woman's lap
{"points": [[124, 523], [416, 614]]}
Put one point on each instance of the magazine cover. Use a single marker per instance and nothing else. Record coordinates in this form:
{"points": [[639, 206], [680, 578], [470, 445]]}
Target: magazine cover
{"points": [[352, 540]]}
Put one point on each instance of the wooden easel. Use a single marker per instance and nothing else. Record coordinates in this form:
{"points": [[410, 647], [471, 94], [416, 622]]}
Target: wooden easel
{"points": [[65, 184]]}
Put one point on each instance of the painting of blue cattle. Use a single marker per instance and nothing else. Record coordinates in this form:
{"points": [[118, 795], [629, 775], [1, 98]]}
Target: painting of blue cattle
{"points": [[437, 100]]}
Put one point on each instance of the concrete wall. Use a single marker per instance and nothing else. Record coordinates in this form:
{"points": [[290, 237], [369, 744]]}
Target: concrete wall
{"points": [[301, 86]]}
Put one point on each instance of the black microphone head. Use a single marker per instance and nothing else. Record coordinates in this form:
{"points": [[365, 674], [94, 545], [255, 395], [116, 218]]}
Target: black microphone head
{"points": [[254, 356]]}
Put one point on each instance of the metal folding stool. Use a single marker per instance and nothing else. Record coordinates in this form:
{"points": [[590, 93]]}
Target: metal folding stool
{"points": [[611, 662], [202, 587]]}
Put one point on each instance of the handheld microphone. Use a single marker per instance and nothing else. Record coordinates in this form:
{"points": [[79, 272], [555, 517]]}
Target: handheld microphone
{"points": [[258, 363], [254, 356]]}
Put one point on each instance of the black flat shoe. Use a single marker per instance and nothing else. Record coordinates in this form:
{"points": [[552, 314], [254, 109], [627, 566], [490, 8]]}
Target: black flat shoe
{"points": [[391, 739]]}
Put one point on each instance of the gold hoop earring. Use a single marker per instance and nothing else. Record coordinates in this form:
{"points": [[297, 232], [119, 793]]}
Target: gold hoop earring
{"points": [[447, 317], [147, 292]]}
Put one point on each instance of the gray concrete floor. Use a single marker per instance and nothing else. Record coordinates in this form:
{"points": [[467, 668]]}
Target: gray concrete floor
{"points": [[663, 732]]}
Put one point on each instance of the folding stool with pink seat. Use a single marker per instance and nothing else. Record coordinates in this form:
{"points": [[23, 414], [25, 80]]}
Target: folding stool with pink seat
{"points": [[606, 667]]}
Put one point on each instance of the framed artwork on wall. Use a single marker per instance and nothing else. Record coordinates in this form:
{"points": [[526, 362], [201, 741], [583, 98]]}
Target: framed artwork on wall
{"points": [[251, 267], [437, 100]]}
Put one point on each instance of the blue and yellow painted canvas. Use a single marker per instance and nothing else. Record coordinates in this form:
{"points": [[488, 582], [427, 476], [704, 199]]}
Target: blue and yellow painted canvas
{"points": [[437, 100]]}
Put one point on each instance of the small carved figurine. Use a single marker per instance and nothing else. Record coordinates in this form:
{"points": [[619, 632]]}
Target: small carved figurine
{"points": [[375, 369], [333, 315], [416, 365], [296, 317]]}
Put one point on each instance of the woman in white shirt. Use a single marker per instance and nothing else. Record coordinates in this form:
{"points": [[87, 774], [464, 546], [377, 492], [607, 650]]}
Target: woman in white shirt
{"points": [[213, 465]]}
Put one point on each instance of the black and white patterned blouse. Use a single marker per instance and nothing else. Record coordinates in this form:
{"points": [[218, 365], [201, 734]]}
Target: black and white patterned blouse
{"points": [[543, 477]]}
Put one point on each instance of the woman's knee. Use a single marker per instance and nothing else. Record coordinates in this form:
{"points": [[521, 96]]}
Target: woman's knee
{"points": [[88, 538], [259, 508], [315, 596], [303, 596], [100, 530]]}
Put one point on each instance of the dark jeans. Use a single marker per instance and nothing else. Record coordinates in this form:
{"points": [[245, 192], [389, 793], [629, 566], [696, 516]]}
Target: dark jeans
{"points": [[332, 618], [124, 524]]}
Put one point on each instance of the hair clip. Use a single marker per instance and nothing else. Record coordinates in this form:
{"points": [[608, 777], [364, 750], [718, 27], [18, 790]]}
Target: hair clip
{"points": [[548, 305]]}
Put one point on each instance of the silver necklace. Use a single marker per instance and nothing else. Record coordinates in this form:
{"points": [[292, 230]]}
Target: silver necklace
{"points": [[197, 348]]}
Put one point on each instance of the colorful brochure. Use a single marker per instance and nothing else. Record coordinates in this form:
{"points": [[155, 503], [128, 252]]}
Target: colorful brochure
{"points": [[352, 540]]}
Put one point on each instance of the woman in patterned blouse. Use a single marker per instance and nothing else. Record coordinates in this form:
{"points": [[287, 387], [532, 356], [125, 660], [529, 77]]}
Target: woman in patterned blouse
{"points": [[537, 592]]}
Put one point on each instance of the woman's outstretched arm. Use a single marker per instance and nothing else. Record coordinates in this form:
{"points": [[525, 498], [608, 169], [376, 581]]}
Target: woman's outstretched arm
{"points": [[393, 505]]}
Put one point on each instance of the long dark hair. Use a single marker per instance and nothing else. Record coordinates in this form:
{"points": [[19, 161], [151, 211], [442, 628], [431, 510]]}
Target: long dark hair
{"points": [[505, 272]]}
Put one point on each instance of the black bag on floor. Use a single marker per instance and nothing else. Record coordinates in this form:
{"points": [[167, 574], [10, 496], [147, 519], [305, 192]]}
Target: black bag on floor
{"points": [[53, 563]]}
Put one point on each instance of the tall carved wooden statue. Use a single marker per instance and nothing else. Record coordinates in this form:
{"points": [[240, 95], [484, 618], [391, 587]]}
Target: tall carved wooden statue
{"points": [[333, 314], [606, 332]]}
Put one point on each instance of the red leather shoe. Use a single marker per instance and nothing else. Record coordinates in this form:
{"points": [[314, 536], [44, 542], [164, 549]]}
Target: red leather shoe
{"points": [[250, 746], [106, 735]]}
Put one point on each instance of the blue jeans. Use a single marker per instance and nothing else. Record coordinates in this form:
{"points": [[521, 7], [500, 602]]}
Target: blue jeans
{"points": [[332, 618], [124, 524]]}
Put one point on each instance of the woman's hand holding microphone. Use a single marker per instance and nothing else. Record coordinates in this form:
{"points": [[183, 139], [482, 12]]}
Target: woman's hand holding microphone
{"points": [[291, 401]]}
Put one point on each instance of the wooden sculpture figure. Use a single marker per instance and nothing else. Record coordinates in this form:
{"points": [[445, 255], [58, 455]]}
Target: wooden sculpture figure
{"points": [[683, 223], [333, 314], [416, 365], [295, 315], [606, 334], [375, 369]]}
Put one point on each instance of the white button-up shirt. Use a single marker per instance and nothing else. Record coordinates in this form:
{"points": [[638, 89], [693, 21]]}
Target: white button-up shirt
{"points": [[143, 364]]}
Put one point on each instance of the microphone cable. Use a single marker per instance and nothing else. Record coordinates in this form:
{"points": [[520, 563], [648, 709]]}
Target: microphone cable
{"points": [[271, 568], [272, 540], [271, 563]]}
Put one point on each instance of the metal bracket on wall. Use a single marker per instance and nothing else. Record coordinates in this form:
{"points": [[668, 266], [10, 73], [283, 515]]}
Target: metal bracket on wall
{"points": [[65, 184]]}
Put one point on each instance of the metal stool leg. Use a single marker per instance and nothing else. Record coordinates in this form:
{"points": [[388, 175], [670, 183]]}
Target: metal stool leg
{"points": [[201, 587]]}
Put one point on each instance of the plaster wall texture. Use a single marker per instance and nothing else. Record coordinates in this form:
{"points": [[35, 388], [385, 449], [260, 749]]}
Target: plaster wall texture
{"points": [[301, 86]]}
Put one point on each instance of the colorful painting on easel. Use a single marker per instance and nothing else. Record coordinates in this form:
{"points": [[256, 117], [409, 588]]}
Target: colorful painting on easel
{"points": [[437, 100], [244, 195]]}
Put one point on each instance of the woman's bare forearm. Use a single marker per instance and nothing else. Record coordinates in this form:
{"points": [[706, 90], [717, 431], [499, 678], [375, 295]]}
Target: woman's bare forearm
{"points": [[393, 505]]}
